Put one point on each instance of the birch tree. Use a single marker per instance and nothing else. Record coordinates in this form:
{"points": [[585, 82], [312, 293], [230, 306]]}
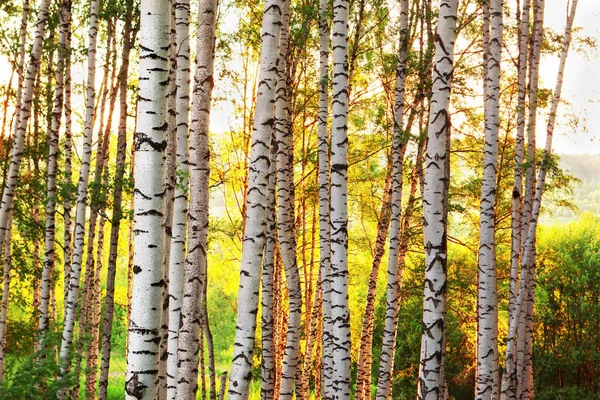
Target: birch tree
{"points": [[363, 384], [68, 173], [509, 376], [63, 53], [487, 304], [24, 108], [517, 216], [6, 277], [74, 274], [150, 145], [525, 321], [435, 210], [254, 235], [117, 206], [384, 384], [195, 267], [325, 197], [340, 313], [180, 206], [286, 222], [268, 365]]}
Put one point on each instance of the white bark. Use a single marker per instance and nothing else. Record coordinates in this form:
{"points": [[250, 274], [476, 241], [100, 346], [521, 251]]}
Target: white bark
{"points": [[509, 377], [73, 286], [268, 365], [324, 199], [117, 209], [286, 223], [437, 175], [340, 313], [365, 354], [254, 235], [517, 214], [63, 53], [487, 386], [194, 285], [10, 184], [149, 242], [67, 220], [384, 385], [179, 226], [5, 296]]}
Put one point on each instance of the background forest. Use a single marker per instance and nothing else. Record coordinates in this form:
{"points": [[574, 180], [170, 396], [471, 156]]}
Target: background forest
{"points": [[73, 98]]}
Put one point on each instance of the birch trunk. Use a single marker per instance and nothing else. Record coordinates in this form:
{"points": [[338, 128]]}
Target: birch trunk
{"points": [[435, 196], [509, 376], [103, 178], [340, 314], [517, 212], [286, 227], [73, 286], [309, 356], [268, 368], [5, 296], [324, 199], [384, 385], [180, 206], [363, 385], [117, 208], [67, 220], [86, 314], [487, 304], [63, 53], [150, 145], [24, 107], [525, 388], [254, 236], [169, 200], [21, 62], [210, 347], [534, 60], [195, 268]]}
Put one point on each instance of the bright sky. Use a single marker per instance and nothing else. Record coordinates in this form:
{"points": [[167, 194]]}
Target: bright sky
{"points": [[581, 86]]}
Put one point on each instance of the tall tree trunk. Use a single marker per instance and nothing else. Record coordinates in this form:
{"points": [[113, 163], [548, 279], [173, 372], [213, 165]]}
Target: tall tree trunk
{"points": [[437, 174], [325, 199], [509, 377], [87, 293], [535, 52], [254, 236], [20, 66], [286, 227], [180, 206], [169, 199], [5, 295], [340, 313], [102, 179], [73, 286], [47, 278], [363, 384], [68, 173], [150, 145], [24, 113], [117, 207], [195, 279], [268, 367], [384, 386], [210, 347], [517, 211], [487, 386]]}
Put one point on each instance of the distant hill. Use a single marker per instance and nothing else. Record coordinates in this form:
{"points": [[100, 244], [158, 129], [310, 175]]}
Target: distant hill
{"points": [[585, 167], [586, 195]]}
